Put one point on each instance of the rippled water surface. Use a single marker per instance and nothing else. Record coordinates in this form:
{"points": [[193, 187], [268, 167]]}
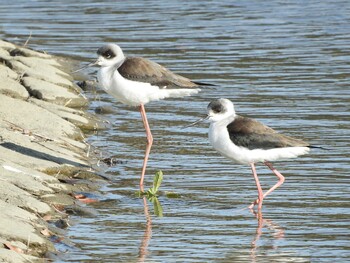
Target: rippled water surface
{"points": [[286, 63]]}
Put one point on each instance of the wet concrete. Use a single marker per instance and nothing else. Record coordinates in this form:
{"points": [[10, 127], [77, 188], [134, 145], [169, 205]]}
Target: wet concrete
{"points": [[42, 114]]}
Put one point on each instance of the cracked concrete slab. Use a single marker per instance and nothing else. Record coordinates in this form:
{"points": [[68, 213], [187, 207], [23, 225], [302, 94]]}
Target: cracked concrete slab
{"points": [[40, 140]]}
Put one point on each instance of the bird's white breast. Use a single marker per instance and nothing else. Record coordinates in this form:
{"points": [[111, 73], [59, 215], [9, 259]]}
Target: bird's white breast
{"points": [[220, 140], [129, 92]]}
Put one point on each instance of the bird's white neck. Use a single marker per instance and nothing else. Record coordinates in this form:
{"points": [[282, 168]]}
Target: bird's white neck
{"points": [[105, 76], [224, 122], [218, 128], [218, 133]]}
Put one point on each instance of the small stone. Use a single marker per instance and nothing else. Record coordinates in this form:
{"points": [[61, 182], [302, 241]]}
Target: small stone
{"points": [[104, 110], [87, 85]]}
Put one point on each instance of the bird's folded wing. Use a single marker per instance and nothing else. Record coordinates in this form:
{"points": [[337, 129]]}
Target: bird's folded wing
{"points": [[144, 70], [252, 134]]}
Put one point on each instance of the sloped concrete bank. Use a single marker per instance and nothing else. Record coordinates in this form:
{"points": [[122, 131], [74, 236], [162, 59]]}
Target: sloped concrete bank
{"points": [[44, 163]]}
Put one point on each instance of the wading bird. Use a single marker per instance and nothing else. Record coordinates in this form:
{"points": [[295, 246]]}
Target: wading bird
{"points": [[247, 141], [135, 81]]}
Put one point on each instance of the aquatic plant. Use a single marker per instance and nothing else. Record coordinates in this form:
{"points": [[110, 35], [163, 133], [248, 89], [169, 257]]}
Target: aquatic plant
{"points": [[152, 193], [157, 181]]}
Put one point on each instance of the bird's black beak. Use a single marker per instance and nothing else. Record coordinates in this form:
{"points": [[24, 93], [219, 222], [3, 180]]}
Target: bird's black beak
{"points": [[88, 65], [197, 121]]}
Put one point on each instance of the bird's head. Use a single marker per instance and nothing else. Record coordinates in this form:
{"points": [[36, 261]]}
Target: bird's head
{"points": [[110, 55], [220, 109]]}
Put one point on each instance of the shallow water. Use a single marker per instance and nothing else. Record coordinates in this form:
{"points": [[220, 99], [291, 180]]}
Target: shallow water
{"points": [[285, 63]]}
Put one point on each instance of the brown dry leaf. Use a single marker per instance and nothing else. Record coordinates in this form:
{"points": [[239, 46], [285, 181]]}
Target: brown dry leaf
{"points": [[14, 248], [84, 199], [58, 207], [57, 239], [88, 200], [47, 217], [79, 196], [46, 232]]}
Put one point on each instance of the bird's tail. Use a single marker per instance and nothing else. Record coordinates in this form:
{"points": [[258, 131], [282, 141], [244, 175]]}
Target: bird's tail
{"points": [[203, 83], [176, 93], [319, 147]]}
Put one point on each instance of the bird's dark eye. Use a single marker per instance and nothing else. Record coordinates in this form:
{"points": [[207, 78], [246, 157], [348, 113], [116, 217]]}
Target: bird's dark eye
{"points": [[216, 108], [108, 54]]}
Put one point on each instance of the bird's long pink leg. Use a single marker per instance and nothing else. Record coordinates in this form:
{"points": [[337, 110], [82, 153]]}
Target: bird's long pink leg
{"points": [[149, 143], [259, 201], [278, 184], [278, 174]]}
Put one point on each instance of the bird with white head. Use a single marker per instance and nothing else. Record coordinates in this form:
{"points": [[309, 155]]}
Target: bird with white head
{"points": [[247, 141], [135, 81]]}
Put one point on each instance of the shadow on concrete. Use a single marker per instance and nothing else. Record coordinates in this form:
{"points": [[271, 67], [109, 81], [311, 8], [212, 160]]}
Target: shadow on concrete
{"points": [[39, 155]]}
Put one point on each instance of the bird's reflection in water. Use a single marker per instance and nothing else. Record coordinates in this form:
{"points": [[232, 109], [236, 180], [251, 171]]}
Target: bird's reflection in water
{"points": [[143, 251], [158, 211], [277, 233]]}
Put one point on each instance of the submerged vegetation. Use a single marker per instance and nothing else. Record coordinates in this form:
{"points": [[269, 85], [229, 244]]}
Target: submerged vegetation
{"points": [[157, 181], [152, 193]]}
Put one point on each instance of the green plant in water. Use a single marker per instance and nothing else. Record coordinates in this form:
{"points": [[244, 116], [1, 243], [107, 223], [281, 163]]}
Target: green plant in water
{"points": [[157, 181], [151, 194], [158, 209]]}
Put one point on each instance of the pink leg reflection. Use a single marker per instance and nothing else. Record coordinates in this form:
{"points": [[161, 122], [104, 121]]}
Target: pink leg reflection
{"points": [[143, 251], [277, 232]]}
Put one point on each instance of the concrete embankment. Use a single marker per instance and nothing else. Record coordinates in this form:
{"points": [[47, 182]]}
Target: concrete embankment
{"points": [[42, 151]]}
